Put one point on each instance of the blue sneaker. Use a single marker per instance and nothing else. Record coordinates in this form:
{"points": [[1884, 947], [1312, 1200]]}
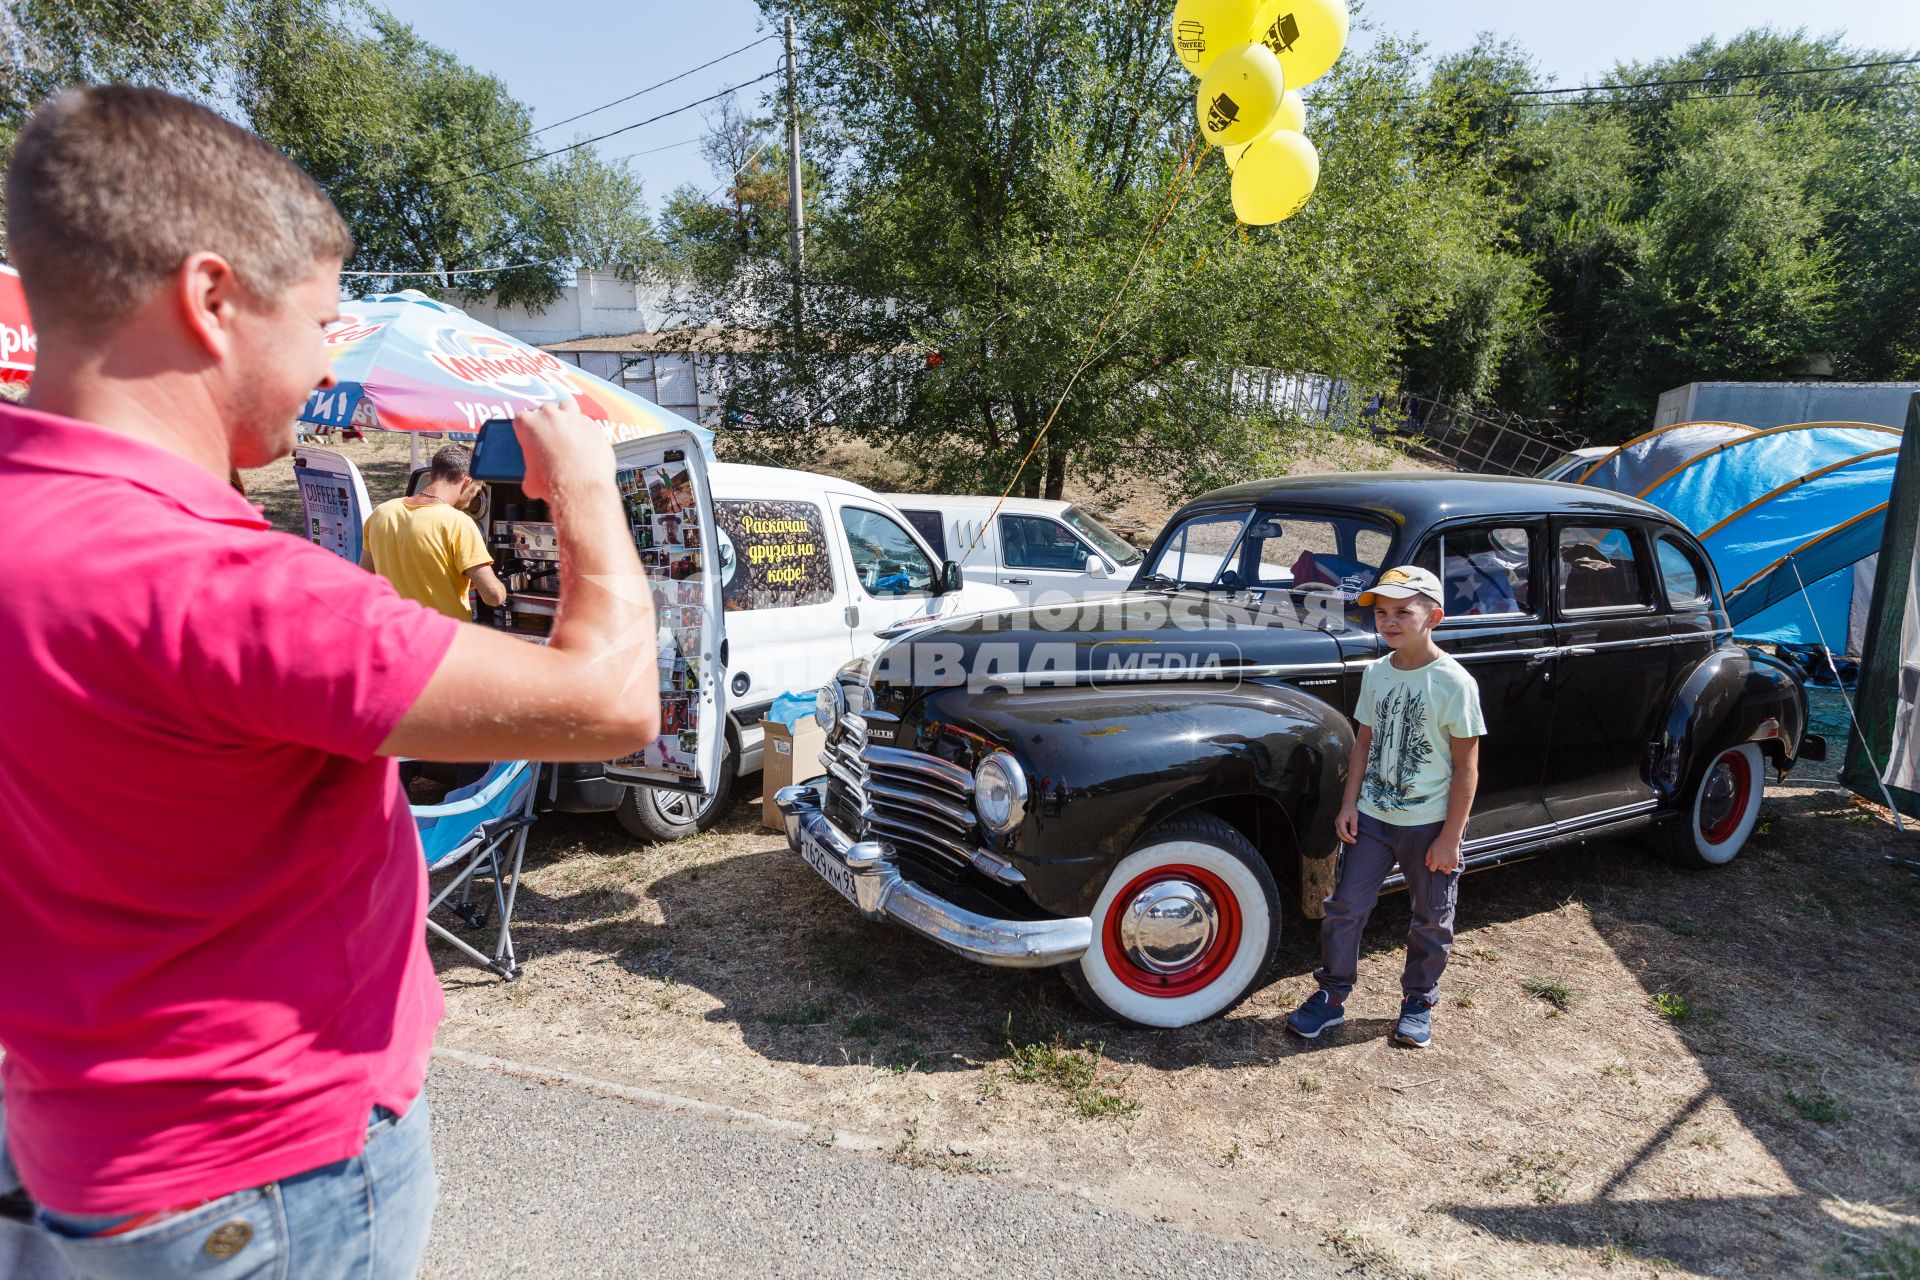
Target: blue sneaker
{"points": [[1416, 1023], [1318, 1014]]}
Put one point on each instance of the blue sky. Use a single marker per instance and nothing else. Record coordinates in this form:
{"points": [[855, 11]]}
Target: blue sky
{"points": [[571, 55]]}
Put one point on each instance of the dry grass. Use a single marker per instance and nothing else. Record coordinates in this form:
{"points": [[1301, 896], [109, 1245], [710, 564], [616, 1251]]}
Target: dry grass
{"points": [[1777, 1137], [1762, 1120]]}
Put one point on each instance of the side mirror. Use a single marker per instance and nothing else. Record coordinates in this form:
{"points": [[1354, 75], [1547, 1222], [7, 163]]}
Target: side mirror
{"points": [[950, 579], [1097, 568]]}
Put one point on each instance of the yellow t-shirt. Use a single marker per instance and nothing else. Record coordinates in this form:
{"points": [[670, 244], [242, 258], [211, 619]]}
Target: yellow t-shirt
{"points": [[425, 552]]}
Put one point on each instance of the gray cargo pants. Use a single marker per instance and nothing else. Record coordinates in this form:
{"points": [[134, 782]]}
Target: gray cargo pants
{"points": [[1432, 894]]}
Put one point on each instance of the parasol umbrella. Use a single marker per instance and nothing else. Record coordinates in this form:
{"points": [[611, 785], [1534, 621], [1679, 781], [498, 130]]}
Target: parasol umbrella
{"points": [[404, 362], [17, 341]]}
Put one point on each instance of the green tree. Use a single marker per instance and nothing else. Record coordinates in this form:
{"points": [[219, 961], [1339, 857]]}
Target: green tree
{"points": [[433, 164], [999, 175]]}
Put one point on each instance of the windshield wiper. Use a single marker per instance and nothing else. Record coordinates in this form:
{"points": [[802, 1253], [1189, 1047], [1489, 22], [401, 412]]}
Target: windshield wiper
{"points": [[1160, 581]]}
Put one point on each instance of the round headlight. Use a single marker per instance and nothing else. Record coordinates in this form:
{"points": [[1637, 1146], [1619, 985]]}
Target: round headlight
{"points": [[1000, 792], [828, 706]]}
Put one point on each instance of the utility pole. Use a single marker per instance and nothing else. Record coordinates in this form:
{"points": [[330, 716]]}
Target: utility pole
{"points": [[797, 214]]}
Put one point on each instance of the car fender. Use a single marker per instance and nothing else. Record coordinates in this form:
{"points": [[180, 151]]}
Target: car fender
{"points": [[1107, 765], [1730, 696]]}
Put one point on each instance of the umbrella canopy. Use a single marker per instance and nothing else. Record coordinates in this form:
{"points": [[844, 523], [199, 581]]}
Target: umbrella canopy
{"points": [[403, 362], [17, 340]]}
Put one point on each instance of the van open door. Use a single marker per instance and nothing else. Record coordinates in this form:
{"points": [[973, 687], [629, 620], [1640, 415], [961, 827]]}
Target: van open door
{"points": [[669, 507], [333, 500]]}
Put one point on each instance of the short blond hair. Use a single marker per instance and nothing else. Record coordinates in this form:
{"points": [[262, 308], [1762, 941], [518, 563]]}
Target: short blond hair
{"points": [[112, 187]]}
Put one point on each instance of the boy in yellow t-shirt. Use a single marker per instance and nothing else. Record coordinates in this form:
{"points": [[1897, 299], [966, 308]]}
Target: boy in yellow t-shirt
{"points": [[1410, 785], [428, 547]]}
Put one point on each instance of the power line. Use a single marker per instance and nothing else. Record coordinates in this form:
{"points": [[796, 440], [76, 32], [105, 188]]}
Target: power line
{"points": [[464, 271], [1430, 94], [636, 93], [634, 155], [1715, 79], [612, 133]]}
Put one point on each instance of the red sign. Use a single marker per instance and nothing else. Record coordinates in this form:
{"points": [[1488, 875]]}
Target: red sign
{"points": [[17, 341]]}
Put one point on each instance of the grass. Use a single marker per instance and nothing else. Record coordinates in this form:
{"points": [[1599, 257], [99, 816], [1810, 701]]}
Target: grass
{"points": [[843, 957], [1310, 1085], [866, 1026], [812, 1013], [1545, 1175], [1816, 1105], [1072, 1072], [1553, 991], [1893, 1260], [1674, 1008]]}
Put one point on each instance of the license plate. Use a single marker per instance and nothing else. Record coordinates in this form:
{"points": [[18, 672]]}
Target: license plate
{"points": [[831, 869]]}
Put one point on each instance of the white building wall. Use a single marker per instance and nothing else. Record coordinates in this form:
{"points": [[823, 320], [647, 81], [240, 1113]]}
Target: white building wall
{"points": [[598, 304]]}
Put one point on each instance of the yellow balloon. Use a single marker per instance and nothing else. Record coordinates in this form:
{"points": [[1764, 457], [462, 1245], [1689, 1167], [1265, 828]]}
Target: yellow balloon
{"points": [[1239, 94], [1292, 115], [1205, 29], [1306, 35], [1274, 178]]}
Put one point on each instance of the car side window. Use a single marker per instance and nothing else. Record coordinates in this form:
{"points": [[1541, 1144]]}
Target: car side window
{"points": [[1484, 571], [1681, 574], [1035, 542], [1599, 568], [929, 525], [886, 559]]}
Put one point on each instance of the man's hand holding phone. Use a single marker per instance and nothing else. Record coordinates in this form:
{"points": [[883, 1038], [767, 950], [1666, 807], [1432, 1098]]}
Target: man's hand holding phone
{"points": [[566, 453]]}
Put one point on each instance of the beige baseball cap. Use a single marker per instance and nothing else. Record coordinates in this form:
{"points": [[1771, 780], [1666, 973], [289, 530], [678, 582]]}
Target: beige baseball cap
{"points": [[1402, 582]]}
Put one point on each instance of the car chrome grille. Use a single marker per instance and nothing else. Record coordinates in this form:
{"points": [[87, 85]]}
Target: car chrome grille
{"points": [[919, 805]]}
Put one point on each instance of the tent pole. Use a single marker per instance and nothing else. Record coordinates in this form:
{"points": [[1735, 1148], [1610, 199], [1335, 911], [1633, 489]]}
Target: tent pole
{"points": [[413, 452], [1852, 717]]}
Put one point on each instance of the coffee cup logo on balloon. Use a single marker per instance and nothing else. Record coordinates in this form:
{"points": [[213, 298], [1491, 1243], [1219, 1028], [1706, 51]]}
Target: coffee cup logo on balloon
{"points": [[1253, 57]]}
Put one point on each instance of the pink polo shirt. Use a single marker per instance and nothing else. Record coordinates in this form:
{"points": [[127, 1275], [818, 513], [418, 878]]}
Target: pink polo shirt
{"points": [[210, 887]]}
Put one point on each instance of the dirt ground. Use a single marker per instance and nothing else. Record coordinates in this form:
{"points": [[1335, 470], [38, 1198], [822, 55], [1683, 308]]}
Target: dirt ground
{"points": [[1636, 1071]]}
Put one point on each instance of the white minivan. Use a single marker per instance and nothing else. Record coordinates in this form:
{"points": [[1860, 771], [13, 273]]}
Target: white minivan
{"points": [[1039, 549], [812, 568]]}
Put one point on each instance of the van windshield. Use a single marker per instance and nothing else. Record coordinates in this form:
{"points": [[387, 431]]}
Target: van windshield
{"points": [[1110, 544], [1254, 547]]}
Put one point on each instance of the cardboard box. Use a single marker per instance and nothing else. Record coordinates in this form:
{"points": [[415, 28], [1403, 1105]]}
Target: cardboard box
{"points": [[787, 756]]}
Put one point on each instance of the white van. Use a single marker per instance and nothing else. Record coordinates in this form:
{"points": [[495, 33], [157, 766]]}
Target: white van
{"points": [[812, 568], [1040, 549], [800, 572]]}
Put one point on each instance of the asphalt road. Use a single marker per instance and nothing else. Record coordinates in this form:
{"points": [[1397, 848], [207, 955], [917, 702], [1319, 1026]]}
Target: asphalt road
{"points": [[548, 1180]]}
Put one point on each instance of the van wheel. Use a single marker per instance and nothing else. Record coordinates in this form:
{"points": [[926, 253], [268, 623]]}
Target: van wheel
{"points": [[1186, 926], [662, 816], [1720, 813]]}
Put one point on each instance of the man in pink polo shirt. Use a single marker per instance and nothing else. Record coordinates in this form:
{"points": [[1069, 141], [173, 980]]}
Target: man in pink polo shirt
{"points": [[219, 1006]]}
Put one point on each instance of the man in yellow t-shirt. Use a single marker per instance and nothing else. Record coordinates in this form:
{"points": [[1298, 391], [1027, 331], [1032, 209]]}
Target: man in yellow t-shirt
{"points": [[428, 547]]}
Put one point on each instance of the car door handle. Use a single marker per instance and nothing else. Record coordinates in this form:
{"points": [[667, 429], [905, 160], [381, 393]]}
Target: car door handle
{"points": [[1543, 657], [853, 615], [1578, 651], [1018, 582]]}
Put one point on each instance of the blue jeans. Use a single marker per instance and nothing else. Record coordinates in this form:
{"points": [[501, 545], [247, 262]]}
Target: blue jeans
{"points": [[363, 1218]]}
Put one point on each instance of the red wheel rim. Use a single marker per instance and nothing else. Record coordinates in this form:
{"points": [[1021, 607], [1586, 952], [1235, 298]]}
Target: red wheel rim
{"points": [[1197, 973], [1720, 829]]}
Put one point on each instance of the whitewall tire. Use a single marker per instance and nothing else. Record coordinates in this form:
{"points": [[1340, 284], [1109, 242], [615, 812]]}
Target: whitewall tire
{"points": [[1186, 925], [1721, 812]]}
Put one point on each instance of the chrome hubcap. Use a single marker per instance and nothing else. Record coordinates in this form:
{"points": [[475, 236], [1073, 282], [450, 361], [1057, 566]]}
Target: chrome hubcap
{"points": [[1168, 925], [1719, 796]]}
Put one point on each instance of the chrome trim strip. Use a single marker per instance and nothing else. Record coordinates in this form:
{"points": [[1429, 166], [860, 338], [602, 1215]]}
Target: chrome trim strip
{"points": [[943, 771], [881, 893], [1471, 848]]}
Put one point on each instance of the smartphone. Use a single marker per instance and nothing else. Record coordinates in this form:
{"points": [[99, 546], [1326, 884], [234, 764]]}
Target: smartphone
{"points": [[496, 454]]}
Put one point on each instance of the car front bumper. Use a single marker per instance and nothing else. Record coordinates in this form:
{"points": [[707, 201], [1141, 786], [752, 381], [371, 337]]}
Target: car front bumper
{"points": [[882, 893]]}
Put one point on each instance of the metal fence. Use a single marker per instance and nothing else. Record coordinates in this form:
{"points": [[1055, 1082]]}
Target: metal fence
{"points": [[1468, 439]]}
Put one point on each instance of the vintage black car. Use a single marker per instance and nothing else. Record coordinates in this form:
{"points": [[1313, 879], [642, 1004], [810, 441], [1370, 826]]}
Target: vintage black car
{"points": [[1130, 788]]}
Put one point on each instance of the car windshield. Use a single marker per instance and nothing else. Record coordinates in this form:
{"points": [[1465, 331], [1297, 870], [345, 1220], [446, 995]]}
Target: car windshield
{"points": [[1264, 547], [1111, 545]]}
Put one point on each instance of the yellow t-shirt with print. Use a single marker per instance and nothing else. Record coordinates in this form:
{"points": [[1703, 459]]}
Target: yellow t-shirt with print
{"points": [[425, 552]]}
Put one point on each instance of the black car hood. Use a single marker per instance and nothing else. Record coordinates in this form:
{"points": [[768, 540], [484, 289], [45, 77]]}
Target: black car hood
{"points": [[1144, 635]]}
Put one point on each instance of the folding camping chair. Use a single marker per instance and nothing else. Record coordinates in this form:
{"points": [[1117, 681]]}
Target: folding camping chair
{"points": [[480, 829]]}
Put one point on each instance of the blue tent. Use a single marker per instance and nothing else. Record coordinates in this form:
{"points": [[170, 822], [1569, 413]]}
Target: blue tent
{"points": [[1775, 508]]}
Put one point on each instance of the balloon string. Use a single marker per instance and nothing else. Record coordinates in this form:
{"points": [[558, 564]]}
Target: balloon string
{"points": [[1176, 187]]}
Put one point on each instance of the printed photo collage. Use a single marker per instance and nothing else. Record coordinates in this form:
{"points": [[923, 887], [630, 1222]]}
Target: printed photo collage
{"points": [[662, 514]]}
